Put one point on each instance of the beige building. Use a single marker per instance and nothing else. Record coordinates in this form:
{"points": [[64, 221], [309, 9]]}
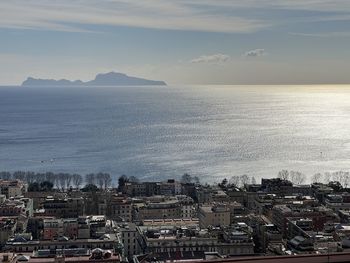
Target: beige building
{"points": [[167, 239], [159, 208], [12, 188], [19, 244], [214, 215], [118, 208], [67, 255]]}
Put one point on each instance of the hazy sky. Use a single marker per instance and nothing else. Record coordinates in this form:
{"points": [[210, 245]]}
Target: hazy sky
{"points": [[179, 41]]}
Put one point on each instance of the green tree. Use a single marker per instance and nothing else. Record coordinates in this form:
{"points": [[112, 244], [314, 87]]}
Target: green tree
{"points": [[122, 180], [89, 188], [46, 186], [33, 187], [186, 179]]}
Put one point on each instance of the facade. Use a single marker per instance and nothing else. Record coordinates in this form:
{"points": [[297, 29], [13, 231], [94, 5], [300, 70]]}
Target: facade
{"points": [[188, 206], [337, 201], [271, 238], [319, 215], [214, 215], [159, 208], [67, 255], [131, 239], [170, 187], [171, 239], [16, 207], [300, 227], [118, 208], [204, 194], [53, 228], [7, 229], [19, 245], [40, 197], [12, 188], [65, 208]]}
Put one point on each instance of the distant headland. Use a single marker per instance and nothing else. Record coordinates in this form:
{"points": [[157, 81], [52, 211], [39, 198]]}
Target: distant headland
{"points": [[104, 79]]}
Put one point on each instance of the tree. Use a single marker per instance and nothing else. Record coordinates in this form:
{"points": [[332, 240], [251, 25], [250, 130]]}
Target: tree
{"points": [[341, 177], [336, 176], [39, 177], [196, 180], [46, 186], [223, 183], [62, 180], [316, 178], [133, 179], [100, 180], [283, 174], [30, 177], [122, 180], [107, 180], [186, 179], [244, 179], [89, 188], [346, 180], [90, 178], [68, 180], [337, 187], [77, 180], [19, 175], [33, 187], [5, 175], [235, 180], [296, 177], [327, 177], [253, 180], [49, 176], [56, 182]]}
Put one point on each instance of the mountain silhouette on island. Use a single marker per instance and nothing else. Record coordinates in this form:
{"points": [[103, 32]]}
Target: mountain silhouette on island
{"points": [[105, 79]]}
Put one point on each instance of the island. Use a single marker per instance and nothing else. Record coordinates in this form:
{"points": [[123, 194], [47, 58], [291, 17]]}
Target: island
{"points": [[103, 79]]}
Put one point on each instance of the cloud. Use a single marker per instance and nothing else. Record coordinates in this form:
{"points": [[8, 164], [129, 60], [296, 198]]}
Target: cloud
{"points": [[307, 5], [224, 16], [327, 34], [75, 15], [255, 53], [215, 59]]}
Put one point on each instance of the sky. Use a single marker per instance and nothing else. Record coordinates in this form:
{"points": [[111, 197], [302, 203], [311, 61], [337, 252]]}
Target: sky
{"points": [[178, 41]]}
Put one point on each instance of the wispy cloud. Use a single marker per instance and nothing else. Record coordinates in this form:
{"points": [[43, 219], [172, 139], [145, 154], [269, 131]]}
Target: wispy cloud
{"points": [[255, 53], [225, 16], [215, 58], [204, 15], [73, 15], [308, 5], [327, 34]]}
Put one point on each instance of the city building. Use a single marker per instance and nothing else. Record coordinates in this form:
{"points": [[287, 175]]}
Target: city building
{"points": [[12, 188], [65, 208], [159, 207], [214, 215]]}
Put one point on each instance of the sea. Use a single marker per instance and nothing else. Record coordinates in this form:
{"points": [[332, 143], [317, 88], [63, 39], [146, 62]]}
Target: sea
{"points": [[157, 133]]}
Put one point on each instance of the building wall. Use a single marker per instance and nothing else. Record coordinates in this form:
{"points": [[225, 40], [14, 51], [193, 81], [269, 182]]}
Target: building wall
{"points": [[210, 217], [131, 242]]}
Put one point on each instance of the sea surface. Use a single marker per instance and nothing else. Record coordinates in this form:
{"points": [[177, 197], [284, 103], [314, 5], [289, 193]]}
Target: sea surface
{"points": [[157, 133]]}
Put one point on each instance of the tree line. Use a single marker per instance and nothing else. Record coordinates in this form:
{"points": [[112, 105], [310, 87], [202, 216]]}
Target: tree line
{"points": [[296, 177], [60, 180], [299, 178], [104, 180], [237, 181]]}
